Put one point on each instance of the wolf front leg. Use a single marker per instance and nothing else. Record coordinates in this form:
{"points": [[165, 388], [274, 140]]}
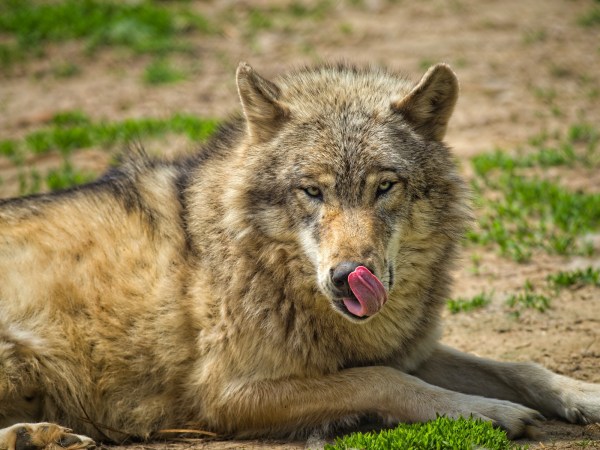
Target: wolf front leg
{"points": [[296, 406], [31, 436], [21, 401], [526, 383]]}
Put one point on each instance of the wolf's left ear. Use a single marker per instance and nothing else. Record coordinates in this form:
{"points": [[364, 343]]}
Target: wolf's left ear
{"points": [[260, 101], [429, 105]]}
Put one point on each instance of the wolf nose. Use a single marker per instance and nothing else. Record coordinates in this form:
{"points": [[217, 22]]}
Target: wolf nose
{"points": [[339, 274]]}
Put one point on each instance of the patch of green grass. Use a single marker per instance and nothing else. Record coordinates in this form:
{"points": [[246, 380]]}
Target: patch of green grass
{"points": [[73, 130], [559, 71], [9, 55], [66, 70], [426, 63], [346, 28], [30, 181], [259, 20], [440, 434], [575, 278], [534, 213], [463, 305], [316, 11], [520, 213], [532, 36], [586, 134], [562, 152], [544, 157], [546, 95], [70, 118], [527, 299], [67, 176], [161, 71], [143, 26], [591, 18], [8, 148], [286, 18]]}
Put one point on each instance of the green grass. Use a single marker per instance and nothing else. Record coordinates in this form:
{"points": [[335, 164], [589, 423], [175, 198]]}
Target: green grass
{"points": [[464, 305], [527, 299], [9, 55], [521, 212], [161, 71], [439, 434], [532, 36], [73, 130], [8, 148], [66, 70], [544, 157], [591, 18], [282, 18], [535, 213], [31, 180], [67, 176], [575, 278], [143, 26], [317, 11]]}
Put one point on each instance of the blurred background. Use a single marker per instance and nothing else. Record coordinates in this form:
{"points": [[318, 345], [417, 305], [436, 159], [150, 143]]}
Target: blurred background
{"points": [[80, 79]]}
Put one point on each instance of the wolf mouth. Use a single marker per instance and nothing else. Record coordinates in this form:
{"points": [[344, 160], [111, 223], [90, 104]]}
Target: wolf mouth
{"points": [[340, 304], [361, 294]]}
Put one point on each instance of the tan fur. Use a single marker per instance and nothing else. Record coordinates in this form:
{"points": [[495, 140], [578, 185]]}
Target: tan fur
{"points": [[199, 292]]}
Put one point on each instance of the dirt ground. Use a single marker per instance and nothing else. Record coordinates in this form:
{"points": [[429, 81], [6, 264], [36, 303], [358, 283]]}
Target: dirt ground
{"points": [[524, 66]]}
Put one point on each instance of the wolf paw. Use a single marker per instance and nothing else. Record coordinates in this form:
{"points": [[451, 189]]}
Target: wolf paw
{"points": [[581, 403], [517, 420], [48, 436]]}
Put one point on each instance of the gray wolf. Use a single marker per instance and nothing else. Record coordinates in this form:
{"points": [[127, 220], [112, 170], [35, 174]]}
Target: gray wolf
{"points": [[287, 278]]}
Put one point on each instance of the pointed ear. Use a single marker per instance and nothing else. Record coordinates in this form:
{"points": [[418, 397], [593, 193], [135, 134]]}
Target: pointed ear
{"points": [[259, 97], [429, 105]]}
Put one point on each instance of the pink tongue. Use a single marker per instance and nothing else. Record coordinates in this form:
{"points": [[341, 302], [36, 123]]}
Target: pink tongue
{"points": [[370, 293]]}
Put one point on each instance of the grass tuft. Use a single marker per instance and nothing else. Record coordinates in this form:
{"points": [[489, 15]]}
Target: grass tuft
{"points": [[143, 26], [527, 299], [72, 130], [161, 71], [591, 18], [67, 176], [440, 434], [575, 278], [464, 305]]}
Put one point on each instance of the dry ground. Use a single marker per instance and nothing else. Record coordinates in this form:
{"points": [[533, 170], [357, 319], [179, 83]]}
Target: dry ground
{"points": [[525, 67]]}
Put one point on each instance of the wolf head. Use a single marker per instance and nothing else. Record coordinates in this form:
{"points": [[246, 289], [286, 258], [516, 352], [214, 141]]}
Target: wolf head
{"points": [[348, 165]]}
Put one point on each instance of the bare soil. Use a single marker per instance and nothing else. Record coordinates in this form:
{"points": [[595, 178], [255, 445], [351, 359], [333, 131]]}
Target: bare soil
{"points": [[525, 67]]}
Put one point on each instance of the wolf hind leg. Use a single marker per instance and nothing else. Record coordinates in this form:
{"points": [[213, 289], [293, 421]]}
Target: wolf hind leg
{"points": [[49, 436]]}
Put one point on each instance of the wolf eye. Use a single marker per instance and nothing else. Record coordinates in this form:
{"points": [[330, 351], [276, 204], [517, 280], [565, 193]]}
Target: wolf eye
{"points": [[383, 187], [314, 192]]}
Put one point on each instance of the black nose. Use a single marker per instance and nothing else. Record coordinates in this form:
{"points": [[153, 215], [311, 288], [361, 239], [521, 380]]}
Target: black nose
{"points": [[339, 274]]}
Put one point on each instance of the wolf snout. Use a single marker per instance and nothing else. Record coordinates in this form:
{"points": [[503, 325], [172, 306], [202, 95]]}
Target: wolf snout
{"points": [[339, 276], [362, 294]]}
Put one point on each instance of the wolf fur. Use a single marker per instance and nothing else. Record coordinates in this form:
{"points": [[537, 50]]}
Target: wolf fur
{"points": [[198, 292]]}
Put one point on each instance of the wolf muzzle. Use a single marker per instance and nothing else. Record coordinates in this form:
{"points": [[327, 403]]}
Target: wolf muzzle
{"points": [[361, 292]]}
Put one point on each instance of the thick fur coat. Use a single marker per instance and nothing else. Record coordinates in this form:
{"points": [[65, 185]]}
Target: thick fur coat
{"points": [[211, 292]]}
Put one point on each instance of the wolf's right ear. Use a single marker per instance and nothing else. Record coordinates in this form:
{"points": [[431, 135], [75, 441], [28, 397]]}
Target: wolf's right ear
{"points": [[429, 105], [260, 102]]}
